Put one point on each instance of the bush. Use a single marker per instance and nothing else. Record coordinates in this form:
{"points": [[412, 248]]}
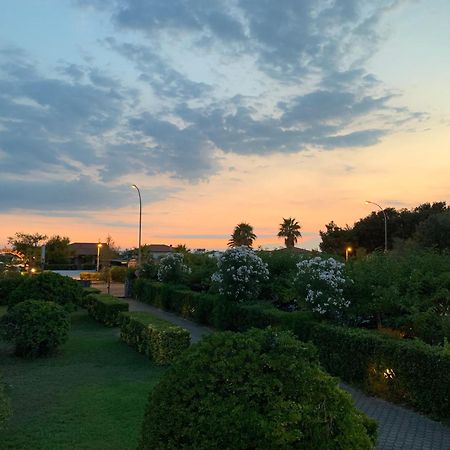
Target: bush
{"points": [[320, 284], [240, 274], [105, 308], [8, 283], [258, 389], [50, 287], [172, 268], [161, 341], [118, 274], [5, 407], [35, 327]]}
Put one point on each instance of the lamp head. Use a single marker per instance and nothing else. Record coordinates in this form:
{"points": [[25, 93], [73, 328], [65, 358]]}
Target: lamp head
{"points": [[349, 249], [134, 186], [99, 245], [367, 202]]}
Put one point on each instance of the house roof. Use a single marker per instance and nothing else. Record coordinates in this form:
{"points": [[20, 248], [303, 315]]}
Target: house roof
{"points": [[160, 248], [295, 250], [85, 248]]}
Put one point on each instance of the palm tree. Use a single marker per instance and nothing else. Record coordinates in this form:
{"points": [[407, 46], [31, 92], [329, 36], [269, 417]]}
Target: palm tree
{"points": [[290, 230], [242, 235]]}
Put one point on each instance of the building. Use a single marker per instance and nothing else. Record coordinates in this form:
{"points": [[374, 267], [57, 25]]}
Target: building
{"points": [[84, 254]]}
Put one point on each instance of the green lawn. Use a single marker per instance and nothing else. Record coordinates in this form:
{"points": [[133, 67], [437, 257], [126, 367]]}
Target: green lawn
{"points": [[91, 395]]}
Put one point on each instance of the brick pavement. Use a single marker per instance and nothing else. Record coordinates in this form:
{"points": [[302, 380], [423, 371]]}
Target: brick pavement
{"points": [[398, 427]]}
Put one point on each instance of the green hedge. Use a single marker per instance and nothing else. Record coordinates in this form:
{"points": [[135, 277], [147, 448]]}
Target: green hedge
{"points": [[161, 341], [105, 308], [405, 371], [186, 303]]}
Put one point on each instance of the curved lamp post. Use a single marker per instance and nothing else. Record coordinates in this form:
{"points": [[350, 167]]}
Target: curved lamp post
{"points": [[385, 223], [140, 224], [99, 246]]}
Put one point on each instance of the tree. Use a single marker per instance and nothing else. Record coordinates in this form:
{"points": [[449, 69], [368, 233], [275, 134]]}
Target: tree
{"points": [[435, 231], [28, 244], [336, 239], [290, 230], [242, 236], [58, 250]]}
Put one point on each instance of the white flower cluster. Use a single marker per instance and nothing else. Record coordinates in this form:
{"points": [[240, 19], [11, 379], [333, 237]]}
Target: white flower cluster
{"points": [[322, 282], [171, 267], [240, 274]]}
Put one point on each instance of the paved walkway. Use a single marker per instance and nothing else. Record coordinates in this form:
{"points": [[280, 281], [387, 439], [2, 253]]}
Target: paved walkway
{"points": [[398, 428]]}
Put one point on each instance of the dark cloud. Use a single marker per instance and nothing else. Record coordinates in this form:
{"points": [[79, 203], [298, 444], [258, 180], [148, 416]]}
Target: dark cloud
{"points": [[50, 197]]}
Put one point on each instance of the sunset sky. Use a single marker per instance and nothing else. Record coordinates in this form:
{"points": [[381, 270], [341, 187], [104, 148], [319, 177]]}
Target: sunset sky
{"points": [[221, 112]]}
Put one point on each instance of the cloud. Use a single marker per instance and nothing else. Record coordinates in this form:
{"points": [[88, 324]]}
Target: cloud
{"points": [[49, 197]]}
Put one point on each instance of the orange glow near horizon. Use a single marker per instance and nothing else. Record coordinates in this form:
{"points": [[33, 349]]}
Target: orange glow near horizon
{"points": [[315, 187]]}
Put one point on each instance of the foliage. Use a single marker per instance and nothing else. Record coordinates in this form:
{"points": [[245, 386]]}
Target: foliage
{"points": [[202, 267], [149, 270], [290, 231], [118, 274], [8, 282], [105, 308], [258, 389], [336, 239], [48, 286], [35, 327], [57, 250], [243, 236], [240, 273], [172, 268], [426, 223], [28, 244], [435, 231], [320, 283], [282, 266], [5, 406], [160, 340], [394, 287]]}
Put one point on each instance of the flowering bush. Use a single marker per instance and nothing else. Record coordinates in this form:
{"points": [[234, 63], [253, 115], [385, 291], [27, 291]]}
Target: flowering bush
{"points": [[172, 268], [240, 274], [321, 283]]}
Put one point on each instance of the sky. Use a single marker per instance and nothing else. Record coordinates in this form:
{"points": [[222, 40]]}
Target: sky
{"points": [[221, 112]]}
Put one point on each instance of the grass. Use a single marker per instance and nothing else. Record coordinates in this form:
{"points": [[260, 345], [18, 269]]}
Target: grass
{"points": [[91, 395]]}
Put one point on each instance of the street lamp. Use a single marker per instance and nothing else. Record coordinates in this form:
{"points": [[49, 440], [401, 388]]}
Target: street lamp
{"points": [[347, 251], [385, 223], [140, 223], [99, 246]]}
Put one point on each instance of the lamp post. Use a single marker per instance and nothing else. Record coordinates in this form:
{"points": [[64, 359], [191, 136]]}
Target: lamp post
{"points": [[347, 251], [140, 224], [99, 246], [385, 223]]}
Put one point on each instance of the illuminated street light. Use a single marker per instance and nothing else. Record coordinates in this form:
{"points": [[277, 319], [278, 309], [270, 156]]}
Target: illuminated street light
{"points": [[140, 224], [385, 223], [347, 251], [99, 246]]}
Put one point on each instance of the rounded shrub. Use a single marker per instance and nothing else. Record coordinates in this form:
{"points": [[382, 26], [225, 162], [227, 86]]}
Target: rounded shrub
{"points": [[240, 274], [8, 283], [35, 327], [172, 268], [48, 286], [253, 390]]}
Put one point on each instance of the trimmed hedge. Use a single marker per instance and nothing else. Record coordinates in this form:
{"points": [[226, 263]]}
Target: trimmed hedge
{"points": [[105, 308], [8, 283], [186, 303], [160, 340], [405, 371]]}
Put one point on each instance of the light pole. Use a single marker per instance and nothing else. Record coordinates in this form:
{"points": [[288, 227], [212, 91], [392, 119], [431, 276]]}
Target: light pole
{"points": [[385, 223], [140, 224], [99, 246], [347, 251]]}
